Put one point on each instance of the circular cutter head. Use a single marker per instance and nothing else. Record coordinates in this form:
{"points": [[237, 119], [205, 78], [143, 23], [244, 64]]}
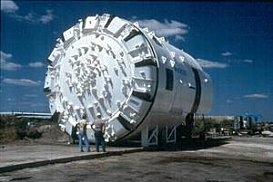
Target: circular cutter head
{"points": [[102, 65]]}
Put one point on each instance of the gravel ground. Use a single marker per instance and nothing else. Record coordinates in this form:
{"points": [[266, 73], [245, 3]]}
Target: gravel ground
{"points": [[239, 159]]}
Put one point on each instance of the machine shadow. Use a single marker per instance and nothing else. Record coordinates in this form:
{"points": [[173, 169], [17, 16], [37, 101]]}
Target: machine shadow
{"points": [[197, 144], [183, 145], [189, 144]]}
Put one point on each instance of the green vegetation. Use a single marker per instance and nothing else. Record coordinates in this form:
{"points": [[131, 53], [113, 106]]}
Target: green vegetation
{"points": [[13, 128], [212, 125]]}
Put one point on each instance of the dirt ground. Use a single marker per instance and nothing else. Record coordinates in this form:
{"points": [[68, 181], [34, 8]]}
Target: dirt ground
{"points": [[239, 159]]}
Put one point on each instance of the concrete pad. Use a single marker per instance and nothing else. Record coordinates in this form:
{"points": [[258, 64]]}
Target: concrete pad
{"points": [[26, 155]]}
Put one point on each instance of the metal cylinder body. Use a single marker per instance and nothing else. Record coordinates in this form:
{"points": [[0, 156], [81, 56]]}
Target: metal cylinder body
{"points": [[107, 65]]}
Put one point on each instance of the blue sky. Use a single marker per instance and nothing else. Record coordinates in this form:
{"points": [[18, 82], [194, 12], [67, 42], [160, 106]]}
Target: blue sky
{"points": [[232, 41]]}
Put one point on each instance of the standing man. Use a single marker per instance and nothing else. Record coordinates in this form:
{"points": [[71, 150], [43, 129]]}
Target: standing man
{"points": [[99, 129], [82, 135]]}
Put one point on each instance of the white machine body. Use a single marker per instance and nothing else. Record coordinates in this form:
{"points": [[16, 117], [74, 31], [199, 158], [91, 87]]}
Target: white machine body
{"points": [[134, 79]]}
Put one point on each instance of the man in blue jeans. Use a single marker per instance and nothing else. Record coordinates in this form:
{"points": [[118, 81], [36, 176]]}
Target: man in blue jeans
{"points": [[99, 129], [81, 131]]}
